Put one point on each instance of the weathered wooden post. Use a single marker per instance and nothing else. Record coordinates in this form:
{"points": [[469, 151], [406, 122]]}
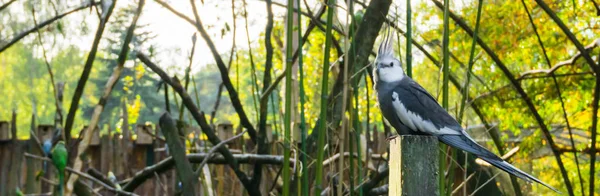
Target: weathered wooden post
{"points": [[5, 154], [267, 178], [224, 131], [5, 134], [414, 165]]}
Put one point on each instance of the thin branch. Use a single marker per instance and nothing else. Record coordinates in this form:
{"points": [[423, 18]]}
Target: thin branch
{"points": [[521, 92], [49, 68], [483, 185], [43, 24], [233, 45], [187, 73], [6, 4], [212, 151], [372, 182], [554, 68], [463, 183]]}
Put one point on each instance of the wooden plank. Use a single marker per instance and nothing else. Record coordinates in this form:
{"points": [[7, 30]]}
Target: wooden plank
{"points": [[95, 136], [5, 154], [139, 163], [16, 167], [415, 160], [106, 156], [143, 138], [33, 166], [5, 134]]}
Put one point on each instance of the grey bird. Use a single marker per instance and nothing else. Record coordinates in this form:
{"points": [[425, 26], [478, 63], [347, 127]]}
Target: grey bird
{"points": [[411, 110]]}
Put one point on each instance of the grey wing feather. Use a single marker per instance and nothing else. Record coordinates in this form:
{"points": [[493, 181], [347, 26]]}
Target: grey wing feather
{"points": [[422, 103]]}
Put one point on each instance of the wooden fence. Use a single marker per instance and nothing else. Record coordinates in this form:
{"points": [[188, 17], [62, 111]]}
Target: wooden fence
{"points": [[125, 155]]}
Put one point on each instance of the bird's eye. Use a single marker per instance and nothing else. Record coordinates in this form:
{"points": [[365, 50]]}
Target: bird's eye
{"points": [[391, 64]]}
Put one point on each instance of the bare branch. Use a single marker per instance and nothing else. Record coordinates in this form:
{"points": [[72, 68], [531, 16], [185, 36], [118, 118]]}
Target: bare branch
{"points": [[211, 152], [553, 69], [6, 4], [42, 25]]}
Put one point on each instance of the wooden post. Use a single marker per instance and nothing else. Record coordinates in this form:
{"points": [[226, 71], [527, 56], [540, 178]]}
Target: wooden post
{"points": [[5, 134], [223, 178], [414, 160]]}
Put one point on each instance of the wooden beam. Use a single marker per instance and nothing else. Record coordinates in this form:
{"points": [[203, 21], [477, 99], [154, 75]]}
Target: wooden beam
{"points": [[413, 165]]}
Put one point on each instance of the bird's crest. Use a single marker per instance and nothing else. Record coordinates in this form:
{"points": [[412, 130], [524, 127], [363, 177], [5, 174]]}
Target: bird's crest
{"points": [[386, 47]]}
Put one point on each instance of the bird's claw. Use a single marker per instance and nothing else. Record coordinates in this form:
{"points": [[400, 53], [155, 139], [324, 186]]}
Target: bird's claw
{"points": [[390, 138]]}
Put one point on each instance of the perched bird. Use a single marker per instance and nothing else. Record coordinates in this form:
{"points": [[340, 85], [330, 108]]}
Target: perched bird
{"points": [[59, 159], [411, 110], [113, 179], [46, 147]]}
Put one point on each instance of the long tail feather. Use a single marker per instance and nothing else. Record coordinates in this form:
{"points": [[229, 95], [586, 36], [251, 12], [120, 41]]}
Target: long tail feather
{"points": [[61, 183], [465, 143]]}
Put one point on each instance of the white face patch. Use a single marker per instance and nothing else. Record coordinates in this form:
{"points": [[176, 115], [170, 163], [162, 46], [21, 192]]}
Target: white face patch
{"points": [[415, 121], [391, 74], [389, 68]]}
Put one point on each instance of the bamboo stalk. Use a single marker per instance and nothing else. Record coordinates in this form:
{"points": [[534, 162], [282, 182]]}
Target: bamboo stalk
{"points": [[303, 133], [408, 39], [445, 71], [288, 98], [344, 128], [324, 92]]}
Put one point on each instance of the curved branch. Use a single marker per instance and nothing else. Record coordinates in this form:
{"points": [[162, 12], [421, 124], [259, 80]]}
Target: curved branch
{"points": [[553, 69]]}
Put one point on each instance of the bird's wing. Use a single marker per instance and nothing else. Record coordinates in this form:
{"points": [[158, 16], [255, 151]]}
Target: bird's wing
{"points": [[418, 110]]}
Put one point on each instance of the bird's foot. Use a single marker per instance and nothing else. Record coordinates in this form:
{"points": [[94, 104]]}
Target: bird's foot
{"points": [[390, 138]]}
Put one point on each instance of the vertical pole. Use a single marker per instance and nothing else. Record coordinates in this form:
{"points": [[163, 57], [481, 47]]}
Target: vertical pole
{"points": [[414, 165]]}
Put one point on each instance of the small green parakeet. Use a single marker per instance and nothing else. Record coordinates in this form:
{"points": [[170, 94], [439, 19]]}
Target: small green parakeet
{"points": [[59, 159]]}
